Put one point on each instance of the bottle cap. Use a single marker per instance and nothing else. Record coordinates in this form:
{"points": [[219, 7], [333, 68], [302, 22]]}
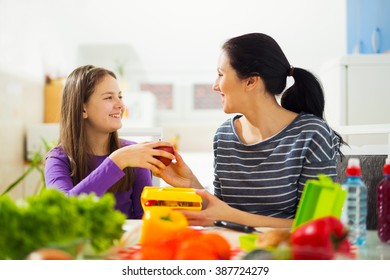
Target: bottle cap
{"points": [[353, 168], [386, 167], [354, 162]]}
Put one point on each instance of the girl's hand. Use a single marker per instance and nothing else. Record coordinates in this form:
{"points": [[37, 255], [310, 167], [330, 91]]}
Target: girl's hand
{"points": [[142, 155]]}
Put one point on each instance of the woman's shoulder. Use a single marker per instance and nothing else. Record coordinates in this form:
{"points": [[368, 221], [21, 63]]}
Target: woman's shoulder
{"points": [[311, 127], [317, 134], [307, 121], [224, 130], [228, 124]]}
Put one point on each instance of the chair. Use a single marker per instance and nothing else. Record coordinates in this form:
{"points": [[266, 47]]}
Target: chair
{"points": [[372, 173], [372, 158]]}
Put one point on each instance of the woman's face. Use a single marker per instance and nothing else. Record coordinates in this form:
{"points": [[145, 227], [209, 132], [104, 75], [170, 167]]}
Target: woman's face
{"points": [[104, 109], [228, 85]]}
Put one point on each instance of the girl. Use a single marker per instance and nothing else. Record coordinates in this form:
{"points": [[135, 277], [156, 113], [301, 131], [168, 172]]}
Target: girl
{"points": [[90, 157]]}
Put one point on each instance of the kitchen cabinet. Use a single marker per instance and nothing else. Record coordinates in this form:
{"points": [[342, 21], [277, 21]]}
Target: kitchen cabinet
{"points": [[368, 26], [357, 92]]}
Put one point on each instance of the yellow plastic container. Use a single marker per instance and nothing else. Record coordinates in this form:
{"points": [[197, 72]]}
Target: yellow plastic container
{"points": [[52, 101], [168, 197], [320, 198]]}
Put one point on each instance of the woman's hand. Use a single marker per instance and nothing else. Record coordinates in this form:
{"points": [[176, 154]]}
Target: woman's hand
{"points": [[214, 209], [142, 155], [178, 174]]}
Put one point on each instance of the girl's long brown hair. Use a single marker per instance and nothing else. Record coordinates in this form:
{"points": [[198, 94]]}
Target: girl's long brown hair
{"points": [[79, 86]]}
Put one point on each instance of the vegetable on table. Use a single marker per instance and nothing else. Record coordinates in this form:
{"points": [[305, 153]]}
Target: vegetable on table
{"points": [[165, 235], [187, 244], [49, 254], [161, 224], [321, 239], [51, 219]]}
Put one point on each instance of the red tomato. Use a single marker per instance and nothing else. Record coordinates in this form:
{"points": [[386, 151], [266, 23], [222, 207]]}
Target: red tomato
{"points": [[185, 244], [187, 233], [218, 243], [195, 245], [158, 251], [320, 239], [150, 202], [192, 249]]}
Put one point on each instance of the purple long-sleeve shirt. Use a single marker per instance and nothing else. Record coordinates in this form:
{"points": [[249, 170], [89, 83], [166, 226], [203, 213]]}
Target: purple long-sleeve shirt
{"points": [[107, 173]]}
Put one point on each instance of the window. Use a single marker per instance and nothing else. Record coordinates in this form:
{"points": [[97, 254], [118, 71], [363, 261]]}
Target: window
{"points": [[163, 93], [204, 97]]}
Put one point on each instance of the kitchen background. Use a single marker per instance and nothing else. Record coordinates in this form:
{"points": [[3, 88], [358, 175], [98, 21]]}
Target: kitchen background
{"points": [[165, 54]]}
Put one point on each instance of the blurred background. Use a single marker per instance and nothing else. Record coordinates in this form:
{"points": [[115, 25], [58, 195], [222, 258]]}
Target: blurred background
{"points": [[165, 55]]}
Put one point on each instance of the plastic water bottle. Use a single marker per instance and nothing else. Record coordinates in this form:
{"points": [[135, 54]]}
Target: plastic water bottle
{"points": [[383, 204], [354, 213]]}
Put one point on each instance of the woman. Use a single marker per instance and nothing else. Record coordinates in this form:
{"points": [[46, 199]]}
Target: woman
{"points": [[90, 157], [263, 155]]}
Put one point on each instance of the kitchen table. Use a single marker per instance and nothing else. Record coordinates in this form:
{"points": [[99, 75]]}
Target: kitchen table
{"points": [[372, 250]]}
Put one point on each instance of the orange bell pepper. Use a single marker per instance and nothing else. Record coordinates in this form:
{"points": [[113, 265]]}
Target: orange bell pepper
{"points": [[161, 224]]}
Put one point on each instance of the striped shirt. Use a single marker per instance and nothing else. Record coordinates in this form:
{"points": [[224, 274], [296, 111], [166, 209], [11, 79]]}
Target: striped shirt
{"points": [[267, 178]]}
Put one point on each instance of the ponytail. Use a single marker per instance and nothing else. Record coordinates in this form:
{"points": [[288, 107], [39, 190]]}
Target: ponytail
{"points": [[305, 95]]}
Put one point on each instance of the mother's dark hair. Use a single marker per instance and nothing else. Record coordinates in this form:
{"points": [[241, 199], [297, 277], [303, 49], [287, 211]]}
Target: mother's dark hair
{"points": [[257, 54]]}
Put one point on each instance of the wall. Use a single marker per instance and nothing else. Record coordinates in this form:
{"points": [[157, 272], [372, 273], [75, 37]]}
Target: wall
{"points": [[168, 40]]}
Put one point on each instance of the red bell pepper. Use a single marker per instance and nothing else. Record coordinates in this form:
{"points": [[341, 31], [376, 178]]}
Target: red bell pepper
{"points": [[321, 239]]}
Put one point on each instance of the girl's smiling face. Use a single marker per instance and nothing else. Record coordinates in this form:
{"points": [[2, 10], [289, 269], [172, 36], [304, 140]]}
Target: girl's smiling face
{"points": [[104, 109]]}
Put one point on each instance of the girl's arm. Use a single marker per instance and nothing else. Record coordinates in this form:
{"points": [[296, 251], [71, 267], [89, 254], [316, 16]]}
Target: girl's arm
{"points": [[57, 175]]}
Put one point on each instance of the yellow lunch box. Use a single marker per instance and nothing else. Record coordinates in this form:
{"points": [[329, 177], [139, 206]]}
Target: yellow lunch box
{"points": [[169, 197]]}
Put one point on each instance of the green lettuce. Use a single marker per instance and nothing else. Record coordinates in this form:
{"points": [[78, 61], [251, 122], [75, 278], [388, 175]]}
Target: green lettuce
{"points": [[51, 218]]}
